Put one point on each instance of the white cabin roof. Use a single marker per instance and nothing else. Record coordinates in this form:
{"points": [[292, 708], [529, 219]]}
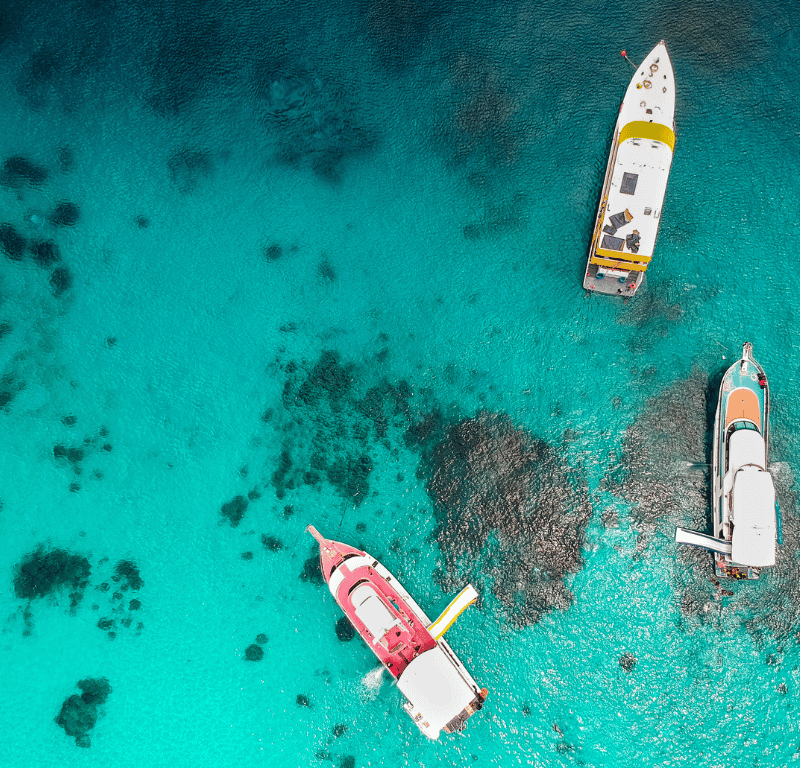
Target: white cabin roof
{"points": [[746, 446], [371, 610], [435, 690], [753, 513], [642, 165]]}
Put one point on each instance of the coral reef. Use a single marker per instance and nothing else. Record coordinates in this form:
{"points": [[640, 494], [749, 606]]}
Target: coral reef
{"points": [[18, 171], [234, 510], [312, 571], [60, 281], [272, 252], [65, 214], [511, 497], [344, 630], [79, 714], [399, 29], [45, 253], [271, 543], [254, 652], [669, 433], [43, 573], [188, 58], [333, 427], [126, 572], [314, 117], [12, 242]]}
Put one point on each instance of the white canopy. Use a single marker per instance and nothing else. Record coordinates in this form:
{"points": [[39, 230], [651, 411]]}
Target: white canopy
{"points": [[753, 512], [435, 690], [369, 608], [746, 446]]}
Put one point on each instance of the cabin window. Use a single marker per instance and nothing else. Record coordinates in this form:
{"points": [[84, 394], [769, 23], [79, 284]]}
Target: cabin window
{"points": [[629, 183], [741, 425]]}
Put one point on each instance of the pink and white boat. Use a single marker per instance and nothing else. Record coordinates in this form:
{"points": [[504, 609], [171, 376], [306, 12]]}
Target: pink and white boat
{"points": [[440, 693]]}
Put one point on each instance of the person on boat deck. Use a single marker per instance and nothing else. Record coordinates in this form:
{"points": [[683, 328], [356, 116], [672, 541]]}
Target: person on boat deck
{"points": [[632, 241]]}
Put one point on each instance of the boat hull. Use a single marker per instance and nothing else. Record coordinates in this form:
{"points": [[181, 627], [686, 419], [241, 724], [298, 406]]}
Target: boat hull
{"points": [[629, 213], [743, 403], [440, 693]]}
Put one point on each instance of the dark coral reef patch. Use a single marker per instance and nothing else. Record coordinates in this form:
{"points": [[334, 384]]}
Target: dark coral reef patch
{"points": [[126, 573], [344, 630], [670, 433], [336, 422], [65, 214], [271, 543], [43, 572], [18, 170], [272, 252], [45, 253], [316, 119], [254, 652], [510, 511], [188, 57], [60, 281], [12, 242], [233, 510], [399, 29], [312, 571], [79, 713]]}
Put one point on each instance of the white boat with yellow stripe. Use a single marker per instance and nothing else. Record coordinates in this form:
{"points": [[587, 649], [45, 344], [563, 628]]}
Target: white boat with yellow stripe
{"points": [[626, 227], [746, 520]]}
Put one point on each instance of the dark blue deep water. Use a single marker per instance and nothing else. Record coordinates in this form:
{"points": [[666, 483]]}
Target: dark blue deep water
{"points": [[271, 264]]}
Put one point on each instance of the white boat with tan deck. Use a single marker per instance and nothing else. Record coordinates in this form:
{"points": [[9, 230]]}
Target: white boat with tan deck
{"points": [[746, 521], [626, 226]]}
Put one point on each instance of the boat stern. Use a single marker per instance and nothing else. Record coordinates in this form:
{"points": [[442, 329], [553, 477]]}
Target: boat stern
{"points": [[439, 697]]}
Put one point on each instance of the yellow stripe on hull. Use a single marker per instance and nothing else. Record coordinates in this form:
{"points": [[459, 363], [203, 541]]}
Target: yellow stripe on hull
{"points": [[619, 264], [617, 255], [639, 129]]}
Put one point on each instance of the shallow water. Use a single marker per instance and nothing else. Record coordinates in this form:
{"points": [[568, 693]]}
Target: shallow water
{"points": [[326, 269]]}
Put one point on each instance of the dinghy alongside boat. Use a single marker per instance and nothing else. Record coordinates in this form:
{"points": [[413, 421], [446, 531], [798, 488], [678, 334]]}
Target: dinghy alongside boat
{"points": [[440, 693], [745, 515], [626, 225]]}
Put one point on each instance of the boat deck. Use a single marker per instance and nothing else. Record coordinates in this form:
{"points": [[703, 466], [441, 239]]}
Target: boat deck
{"points": [[611, 285]]}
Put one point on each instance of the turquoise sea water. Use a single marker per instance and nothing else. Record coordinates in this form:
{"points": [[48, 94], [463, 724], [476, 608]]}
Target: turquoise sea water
{"points": [[326, 269]]}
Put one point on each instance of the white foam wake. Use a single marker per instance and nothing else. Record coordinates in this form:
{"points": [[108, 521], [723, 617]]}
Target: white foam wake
{"points": [[372, 680]]}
